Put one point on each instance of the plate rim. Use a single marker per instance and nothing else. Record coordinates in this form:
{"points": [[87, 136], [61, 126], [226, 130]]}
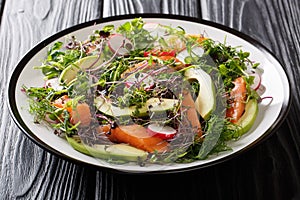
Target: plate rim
{"points": [[14, 113]]}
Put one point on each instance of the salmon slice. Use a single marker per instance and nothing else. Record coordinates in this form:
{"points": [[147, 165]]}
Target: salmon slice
{"points": [[81, 114], [237, 103], [137, 136], [191, 112]]}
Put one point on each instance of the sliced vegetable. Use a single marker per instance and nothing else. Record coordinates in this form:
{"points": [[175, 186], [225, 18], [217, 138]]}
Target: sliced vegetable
{"points": [[70, 73], [137, 136], [256, 82], [152, 105], [161, 131], [155, 29], [247, 120], [160, 53], [206, 101], [120, 45], [116, 152]]}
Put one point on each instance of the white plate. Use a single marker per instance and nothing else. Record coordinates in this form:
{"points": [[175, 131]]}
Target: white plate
{"points": [[269, 116]]}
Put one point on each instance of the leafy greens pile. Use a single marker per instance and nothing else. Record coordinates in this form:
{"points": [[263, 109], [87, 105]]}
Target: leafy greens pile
{"points": [[110, 73]]}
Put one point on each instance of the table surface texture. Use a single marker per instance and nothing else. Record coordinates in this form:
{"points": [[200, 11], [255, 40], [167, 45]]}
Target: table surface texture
{"points": [[270, 170]]}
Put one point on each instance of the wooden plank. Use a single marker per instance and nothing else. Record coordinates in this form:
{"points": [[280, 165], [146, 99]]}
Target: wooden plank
{"points": [[178, 7], [269, 171], [27, 171], [276, 25], [2, 2]]}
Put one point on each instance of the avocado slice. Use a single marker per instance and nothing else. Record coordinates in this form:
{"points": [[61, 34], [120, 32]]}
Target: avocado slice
{"points": [[70, 72], [152, 105], [247, 120], [116, 152], [206, 101]]}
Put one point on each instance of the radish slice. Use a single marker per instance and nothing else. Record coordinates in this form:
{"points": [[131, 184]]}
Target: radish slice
{"points": [[155, 29], [163, 132], [120, 45], [150, 26], [256, 82], [53, 83]]}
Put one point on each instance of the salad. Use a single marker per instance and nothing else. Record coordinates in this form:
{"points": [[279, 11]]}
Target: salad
{"points": [[147, 93]]}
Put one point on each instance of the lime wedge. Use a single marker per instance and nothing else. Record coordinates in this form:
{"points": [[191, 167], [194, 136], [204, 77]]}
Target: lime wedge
{"points": [[70, 72]]}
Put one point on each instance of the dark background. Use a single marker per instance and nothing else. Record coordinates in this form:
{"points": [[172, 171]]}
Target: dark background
{"points": [[271, 170]]}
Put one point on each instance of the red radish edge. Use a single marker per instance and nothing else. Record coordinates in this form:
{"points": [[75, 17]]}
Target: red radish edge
{"points": [[256, 82], [163, 132]]}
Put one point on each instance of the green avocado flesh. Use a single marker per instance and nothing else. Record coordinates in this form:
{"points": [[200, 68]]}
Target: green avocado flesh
{"points": [[248, 118], [206, 100], [70, 72], [118, 152], [152, 105]]}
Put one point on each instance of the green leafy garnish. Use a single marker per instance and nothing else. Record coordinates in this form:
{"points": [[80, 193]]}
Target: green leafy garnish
{"points": [[150, 70], [134, 31]]}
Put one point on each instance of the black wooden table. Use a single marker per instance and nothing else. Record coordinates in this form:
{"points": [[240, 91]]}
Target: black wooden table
{"points": [[271, 170]]}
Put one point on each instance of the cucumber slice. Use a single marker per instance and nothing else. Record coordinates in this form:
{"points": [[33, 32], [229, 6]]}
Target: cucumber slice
{"points": [[248, 118], [70, 72], [152, 105], [117, 152], [206, 101]]}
